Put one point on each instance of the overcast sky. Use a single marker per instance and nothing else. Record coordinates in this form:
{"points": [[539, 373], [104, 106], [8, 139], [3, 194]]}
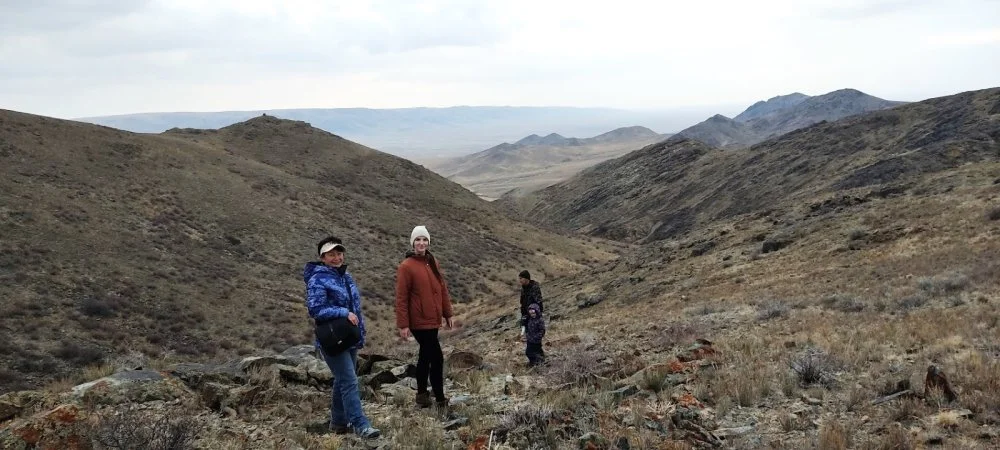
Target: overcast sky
{"points": [[75, 58]]}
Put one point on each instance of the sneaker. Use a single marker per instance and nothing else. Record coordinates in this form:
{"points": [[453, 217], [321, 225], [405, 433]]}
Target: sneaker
{"points": [[340, 429], [369, 433], [423, 399]]}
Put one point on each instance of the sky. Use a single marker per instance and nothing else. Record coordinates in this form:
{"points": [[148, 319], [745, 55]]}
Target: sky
{"points": [[81, 58]]}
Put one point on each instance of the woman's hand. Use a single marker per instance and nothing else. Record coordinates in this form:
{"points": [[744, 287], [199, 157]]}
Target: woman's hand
{"points": [[404, 333], [353, 318], [448, 324]]}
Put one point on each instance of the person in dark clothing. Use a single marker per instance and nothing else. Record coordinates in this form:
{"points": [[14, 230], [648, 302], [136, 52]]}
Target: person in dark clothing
{"points": [[534, 332], [531, 293], [422, 303]]}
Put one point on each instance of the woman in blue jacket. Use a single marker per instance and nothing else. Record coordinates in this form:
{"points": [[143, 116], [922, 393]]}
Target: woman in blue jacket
{"points": [[331, 294]]}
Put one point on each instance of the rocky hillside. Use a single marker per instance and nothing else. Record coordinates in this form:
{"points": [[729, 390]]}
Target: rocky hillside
{"points": [[537, 161], [190, 243], [783, 114], [680, 185]]}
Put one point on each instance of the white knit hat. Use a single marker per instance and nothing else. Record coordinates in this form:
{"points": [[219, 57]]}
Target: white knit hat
{"points": [[418, 231]]}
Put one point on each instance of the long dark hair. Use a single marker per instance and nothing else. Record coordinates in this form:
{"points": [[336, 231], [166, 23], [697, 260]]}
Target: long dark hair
{"points": [[434, 266]]}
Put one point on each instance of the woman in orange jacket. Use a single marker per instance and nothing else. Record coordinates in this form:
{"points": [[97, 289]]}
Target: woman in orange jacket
{"points": [[422, 302]]}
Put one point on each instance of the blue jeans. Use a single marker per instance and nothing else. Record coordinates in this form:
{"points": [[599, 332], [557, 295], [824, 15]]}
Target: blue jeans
{"points": [[345, 405]]}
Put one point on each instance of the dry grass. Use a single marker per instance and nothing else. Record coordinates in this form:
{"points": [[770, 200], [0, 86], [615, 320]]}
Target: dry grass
{"points": [[833, 436]]}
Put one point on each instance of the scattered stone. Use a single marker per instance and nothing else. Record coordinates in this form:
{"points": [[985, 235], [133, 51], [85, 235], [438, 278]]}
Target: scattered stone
{"points": [[623, 444], [701, 349], [811, 400], [588, 300], [456, 424], [625, 392], [13, 403]]}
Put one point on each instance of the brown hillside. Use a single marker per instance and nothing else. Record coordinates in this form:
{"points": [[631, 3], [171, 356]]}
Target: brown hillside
{"points": [[191, 243]]}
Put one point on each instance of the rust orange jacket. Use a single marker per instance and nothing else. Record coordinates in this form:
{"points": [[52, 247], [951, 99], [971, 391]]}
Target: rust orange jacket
{"points": [[421, 300]]}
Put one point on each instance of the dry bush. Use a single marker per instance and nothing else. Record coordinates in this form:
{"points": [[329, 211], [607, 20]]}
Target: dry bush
{"points": [[843, 303], [814, 366], [772, 310], [895, 438], [578, 364], [131, 428], [993, 213], [833, 436]]}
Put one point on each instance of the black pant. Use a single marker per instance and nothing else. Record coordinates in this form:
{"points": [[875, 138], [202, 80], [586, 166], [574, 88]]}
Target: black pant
{"points": [[535, 354], [430, 362]]}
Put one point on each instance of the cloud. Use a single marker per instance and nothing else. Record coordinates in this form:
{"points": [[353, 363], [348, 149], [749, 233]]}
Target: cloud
{"points": [[84, 58]]}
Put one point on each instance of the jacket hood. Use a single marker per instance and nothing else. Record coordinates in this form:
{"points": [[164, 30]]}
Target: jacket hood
{"points": [[534, 307], [314, 267]]}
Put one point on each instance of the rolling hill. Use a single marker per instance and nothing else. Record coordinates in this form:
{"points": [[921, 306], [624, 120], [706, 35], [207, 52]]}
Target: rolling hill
{"points": [[190, 243]]}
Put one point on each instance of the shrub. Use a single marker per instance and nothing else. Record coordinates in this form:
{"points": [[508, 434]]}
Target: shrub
{"points": [[814, 366], [772, 310], [132, 428]]}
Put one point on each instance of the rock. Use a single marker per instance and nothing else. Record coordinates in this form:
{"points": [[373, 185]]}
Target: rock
{"points": [[592, 441], [407, 371], [54, 428], [464, 360], [213, 395], [623, 444], [730, 432], [811, 400], [456, 424], [257, 362], [292, 373], [588, 300], [138, 386], [194, 374], [459, 399], [13, 403], [318, 370], [625, 392], [301, 353], [701, 349], [397, 394], [380, 378]]}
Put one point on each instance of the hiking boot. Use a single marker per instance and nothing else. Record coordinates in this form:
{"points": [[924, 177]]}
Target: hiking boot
{"points": [[441, 403], [369, 432], [340, 429], [423, 399]]}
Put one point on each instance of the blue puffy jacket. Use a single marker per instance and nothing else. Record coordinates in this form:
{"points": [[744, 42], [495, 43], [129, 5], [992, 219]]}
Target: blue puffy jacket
{"points": [[332, 293]]}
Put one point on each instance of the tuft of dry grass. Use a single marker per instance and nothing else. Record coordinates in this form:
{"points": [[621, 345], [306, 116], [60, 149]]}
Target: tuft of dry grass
{"points": [[833, 436]]}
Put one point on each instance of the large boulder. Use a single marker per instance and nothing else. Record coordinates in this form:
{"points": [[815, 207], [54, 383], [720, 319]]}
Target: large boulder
{"points": [[13, 403], [137, 386]]}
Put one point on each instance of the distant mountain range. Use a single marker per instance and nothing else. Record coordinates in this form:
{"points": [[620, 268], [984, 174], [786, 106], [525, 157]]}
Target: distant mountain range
{"points": [[680, 185], [416, 133], [782, 114], [538, 161]]}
